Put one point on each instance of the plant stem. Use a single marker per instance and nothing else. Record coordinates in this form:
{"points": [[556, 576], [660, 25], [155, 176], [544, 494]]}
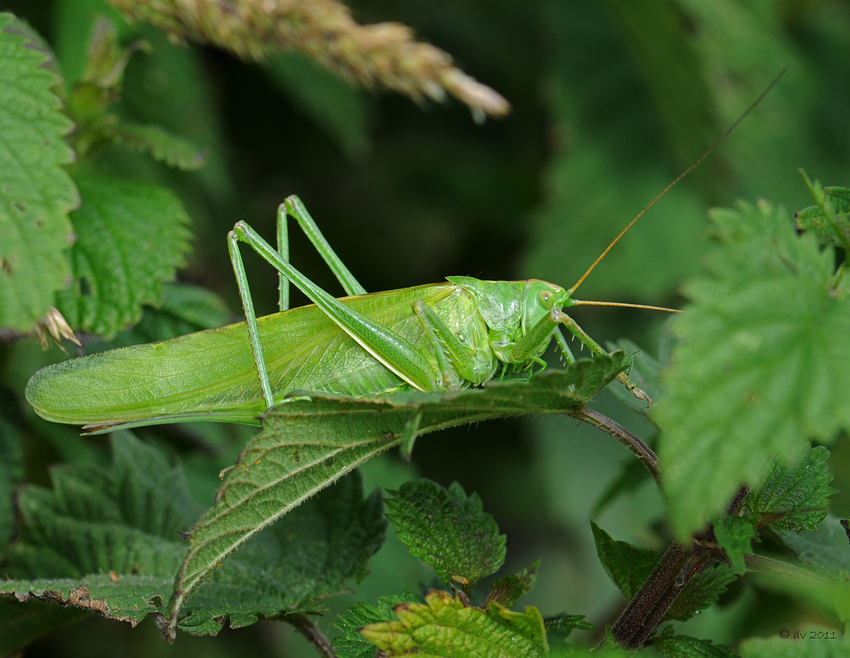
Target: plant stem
{"points": [[778, 568], [624, 436], [677, 566], [304, 625], [645, 611]]}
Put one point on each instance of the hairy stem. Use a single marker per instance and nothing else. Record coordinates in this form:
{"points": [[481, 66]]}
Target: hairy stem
{"points": [[677, 566], [624, 436], [307, 627]]}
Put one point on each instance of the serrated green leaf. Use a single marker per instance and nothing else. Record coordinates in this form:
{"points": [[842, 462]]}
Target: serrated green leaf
{"points": [[778, 647], [351, 644], [131, 237], [36, 194], [701, 592], [107, 540], [797, 496], [162, 145], [755, 376], [508, 590], [735, 535], [293, 566], [306, 444], [447, 529], [684, 646], [813, 220], [627, 565], [102, 539], [565, 624], [445, 627]]}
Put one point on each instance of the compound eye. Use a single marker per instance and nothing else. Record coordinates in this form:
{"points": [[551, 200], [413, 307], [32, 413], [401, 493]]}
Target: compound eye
{"points": [[546, 299]]}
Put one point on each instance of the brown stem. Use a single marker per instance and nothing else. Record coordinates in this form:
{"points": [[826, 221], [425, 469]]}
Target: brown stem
{"points": [[304, 625], [672, 573], [624, 436]]}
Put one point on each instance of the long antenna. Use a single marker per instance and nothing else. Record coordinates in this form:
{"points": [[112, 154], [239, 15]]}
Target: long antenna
{"points": [[625, 305], [681, 176]]}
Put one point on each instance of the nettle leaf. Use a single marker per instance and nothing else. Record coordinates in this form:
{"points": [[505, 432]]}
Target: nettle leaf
{"points": [[628, 565], [162, 145], [313, 439], [444, 626], [813, 220], [508, 590], [797, 496], [447, 529], [701, 592], [101, 539], [351, 644], [108, 540], [684, 646], [131, 237], [565, 624], [292, 567], [36, 194], [755, 375], [735, 534]]}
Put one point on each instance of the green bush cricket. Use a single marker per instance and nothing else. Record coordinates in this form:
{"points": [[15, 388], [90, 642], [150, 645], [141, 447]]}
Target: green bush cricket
{"points": [[459, 333]]}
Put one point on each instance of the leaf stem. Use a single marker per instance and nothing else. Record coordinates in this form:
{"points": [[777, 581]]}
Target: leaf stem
{"points": [[778, 568], [624, 436], [307, 627]]}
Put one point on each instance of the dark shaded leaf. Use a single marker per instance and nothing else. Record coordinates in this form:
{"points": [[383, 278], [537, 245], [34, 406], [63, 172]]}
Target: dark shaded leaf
{"points": [[508, 590], [701, 592], [627, 565]]}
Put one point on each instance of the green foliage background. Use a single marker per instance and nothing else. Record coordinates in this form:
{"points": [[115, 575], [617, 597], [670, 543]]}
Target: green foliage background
{"points": [[611, 100]]}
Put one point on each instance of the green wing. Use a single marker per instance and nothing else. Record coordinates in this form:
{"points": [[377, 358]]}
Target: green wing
{"points": [[210, 375]]}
